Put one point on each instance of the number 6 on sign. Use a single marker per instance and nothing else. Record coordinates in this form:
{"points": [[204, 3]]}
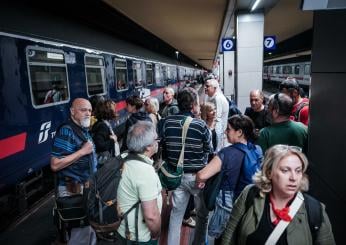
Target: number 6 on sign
{"points": [[228, 44]]}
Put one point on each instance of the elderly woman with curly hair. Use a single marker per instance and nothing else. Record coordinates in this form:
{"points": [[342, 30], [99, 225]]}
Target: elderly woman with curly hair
{"points": [[278, 212]]}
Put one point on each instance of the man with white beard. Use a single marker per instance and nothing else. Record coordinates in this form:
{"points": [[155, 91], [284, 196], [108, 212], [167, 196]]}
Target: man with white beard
{"points": [[74, 160]]}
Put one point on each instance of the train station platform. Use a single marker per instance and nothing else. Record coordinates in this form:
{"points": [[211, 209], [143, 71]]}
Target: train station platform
{"points": [[36, 226]]}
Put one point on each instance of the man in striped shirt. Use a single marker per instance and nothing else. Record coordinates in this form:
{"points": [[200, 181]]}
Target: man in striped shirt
{"points": [[197, 147]]}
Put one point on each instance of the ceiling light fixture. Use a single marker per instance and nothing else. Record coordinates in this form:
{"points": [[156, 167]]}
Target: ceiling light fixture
{"points": [[254, 6]]}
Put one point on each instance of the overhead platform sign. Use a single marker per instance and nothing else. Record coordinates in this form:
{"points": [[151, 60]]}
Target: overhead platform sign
{"points": [[228, 44], [269, 43]]}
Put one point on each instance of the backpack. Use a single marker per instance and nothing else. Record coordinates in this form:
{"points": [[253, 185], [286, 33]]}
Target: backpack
{"points": [[102, 199], [233, 109], [313, 209], [299, 108], [251, 163]]}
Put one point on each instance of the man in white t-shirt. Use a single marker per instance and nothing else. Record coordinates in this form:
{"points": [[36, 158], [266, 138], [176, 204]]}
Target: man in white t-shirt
{"points": [[139, 181], [215, 95]]}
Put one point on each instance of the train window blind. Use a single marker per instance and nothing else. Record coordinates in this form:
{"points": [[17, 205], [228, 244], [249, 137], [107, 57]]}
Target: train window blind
{"points": [[95, 74], [121, 75], [47, 76], [149, 74]]}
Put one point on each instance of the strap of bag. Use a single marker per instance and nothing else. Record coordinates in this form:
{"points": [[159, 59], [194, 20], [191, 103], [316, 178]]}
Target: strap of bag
{"points": [[184, 133], [281, 226]]}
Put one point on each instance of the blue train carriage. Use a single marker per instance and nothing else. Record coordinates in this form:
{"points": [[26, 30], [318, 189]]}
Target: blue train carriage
{"points": [[38, 81]]}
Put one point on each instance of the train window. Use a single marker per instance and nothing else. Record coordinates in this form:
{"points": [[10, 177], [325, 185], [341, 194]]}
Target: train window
{"points": [[121, 74], [137, 74], [287, 69], [48, 76], [296, 69], [307, 69], [149, 74], [164, 73], [278, 70], [95, 74], [158, 75], [271, 68]]}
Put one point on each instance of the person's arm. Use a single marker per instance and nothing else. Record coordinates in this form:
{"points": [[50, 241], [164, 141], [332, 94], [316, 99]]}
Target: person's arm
{"points": [[57, 164], [152, 217], [212, 168], [325, 233]]}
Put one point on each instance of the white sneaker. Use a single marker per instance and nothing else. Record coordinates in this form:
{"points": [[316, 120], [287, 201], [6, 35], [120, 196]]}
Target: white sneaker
{"points": [[189, 222]]}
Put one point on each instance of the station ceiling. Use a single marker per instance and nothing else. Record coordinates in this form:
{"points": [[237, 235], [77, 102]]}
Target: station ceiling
{"points": [[194, 27]]}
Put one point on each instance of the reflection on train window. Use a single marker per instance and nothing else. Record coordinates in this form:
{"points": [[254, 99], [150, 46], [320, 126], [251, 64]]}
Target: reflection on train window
{"points": [[121, 74], [137, 74], [95, 74], [307, 69], [296, 69], [149, 74], [47, 75]]}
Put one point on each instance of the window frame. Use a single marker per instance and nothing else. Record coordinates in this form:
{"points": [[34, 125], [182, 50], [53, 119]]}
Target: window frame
{"points": [[134, 69], [35, 63], [115, 73], [152, 73], [95, 66]]}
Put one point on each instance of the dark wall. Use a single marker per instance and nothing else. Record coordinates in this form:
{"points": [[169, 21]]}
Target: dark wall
{"points": [[327, 129]]}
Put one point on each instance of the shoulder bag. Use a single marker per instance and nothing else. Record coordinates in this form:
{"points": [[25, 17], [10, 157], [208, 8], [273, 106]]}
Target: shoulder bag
{"points": [[170, 176]]}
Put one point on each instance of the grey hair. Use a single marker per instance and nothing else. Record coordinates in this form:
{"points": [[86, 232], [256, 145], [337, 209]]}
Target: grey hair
{"points": [[271, 160], [214, 83], [154, 103], [170, 90], [140, 136]]}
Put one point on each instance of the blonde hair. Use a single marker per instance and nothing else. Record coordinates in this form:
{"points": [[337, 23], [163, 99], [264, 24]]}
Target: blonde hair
{"points": [[271, 160], [205, 108]]}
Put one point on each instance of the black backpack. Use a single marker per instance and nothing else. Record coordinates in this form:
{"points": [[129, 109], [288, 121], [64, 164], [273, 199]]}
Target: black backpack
{"points": [[313, 209], [102, 199]]}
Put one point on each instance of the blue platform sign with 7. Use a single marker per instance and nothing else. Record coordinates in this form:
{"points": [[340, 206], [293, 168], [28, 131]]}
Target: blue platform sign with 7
{"points": [[228, 44], [269, 43]]}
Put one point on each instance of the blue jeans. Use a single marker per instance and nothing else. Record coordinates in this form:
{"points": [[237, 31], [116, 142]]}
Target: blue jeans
{"points": [[180, 199], [221, 214]]}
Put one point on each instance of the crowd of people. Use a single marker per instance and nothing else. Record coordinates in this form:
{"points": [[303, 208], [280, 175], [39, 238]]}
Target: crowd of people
{"points": [[260, 156]]}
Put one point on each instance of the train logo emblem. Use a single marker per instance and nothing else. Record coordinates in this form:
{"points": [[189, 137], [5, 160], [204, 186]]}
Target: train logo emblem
{"points": [[269, 42], [228, 44], [45, 127]]}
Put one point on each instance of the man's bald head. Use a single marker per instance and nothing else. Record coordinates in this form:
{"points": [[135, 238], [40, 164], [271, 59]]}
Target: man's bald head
{"points": [[257, 100], [81, 112]]}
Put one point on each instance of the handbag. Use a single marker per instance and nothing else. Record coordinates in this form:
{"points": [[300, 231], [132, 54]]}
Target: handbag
{"points": [[69, 212], [170, 176]]}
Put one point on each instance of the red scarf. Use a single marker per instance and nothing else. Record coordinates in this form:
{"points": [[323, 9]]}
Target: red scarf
{"points": [[281, 214]]}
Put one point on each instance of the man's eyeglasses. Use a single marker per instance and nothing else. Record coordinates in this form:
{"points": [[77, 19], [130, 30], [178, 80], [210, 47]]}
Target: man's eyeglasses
{"points": [[207, 86]]}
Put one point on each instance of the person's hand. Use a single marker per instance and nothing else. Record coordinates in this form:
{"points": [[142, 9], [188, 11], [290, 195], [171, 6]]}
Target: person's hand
{"points": [[200, 185], [113, 137], [87, 148]]}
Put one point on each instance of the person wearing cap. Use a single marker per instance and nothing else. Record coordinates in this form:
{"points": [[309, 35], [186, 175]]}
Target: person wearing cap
{"points": [[300, 112]]}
